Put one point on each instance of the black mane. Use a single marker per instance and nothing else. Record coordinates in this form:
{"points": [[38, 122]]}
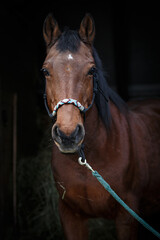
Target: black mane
{"points": [[102, 104], [70, 41]]}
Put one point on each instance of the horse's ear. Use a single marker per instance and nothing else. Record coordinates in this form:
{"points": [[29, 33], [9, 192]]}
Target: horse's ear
{"points": [[87, 29], [51, 30]]}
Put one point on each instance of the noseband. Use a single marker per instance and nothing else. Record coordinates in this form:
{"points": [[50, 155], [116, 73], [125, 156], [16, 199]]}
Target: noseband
{"points": [[71, 101]]}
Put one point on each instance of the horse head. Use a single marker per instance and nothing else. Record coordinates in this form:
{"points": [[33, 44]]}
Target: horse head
{"points": [[68, 70]]}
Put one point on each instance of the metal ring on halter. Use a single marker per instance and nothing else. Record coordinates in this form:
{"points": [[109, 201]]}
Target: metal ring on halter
{"points": [[84, 163], [81, 162]]}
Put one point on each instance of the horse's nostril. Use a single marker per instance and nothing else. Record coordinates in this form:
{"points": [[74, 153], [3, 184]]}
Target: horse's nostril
{"points": [[56, 134], [57, 131], [78, 133]]}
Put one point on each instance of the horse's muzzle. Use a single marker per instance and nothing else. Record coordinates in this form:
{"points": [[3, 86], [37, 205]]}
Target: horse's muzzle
{"points": [[71, 143]]}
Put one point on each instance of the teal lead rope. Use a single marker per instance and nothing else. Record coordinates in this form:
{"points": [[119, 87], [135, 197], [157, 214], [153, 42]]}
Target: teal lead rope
{"points": [[117, 198]]}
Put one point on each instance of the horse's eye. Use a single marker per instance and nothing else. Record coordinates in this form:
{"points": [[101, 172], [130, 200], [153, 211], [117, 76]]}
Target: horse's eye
{"points": [[92, 71], [45, 72]]}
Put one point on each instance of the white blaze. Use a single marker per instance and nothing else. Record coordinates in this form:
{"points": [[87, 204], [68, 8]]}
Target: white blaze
{"points": [[70, 56]]}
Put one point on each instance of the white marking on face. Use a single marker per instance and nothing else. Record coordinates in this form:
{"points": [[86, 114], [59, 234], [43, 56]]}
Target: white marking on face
{"points": [[70, 56]]}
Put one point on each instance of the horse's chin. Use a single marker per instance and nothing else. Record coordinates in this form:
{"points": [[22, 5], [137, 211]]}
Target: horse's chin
{"points": [[68, 149]]}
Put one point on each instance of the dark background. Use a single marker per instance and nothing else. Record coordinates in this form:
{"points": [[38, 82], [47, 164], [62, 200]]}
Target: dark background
{"points": [[127, 40]]}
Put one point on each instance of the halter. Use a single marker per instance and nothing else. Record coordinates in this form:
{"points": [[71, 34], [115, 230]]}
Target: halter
{"points": [[67, 101], [71, 101]]}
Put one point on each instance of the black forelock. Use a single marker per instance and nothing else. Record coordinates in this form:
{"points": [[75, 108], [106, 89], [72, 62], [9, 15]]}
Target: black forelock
{"points": [[68, 41]]}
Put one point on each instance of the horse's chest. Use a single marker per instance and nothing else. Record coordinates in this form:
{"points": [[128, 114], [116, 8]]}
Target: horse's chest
{"points": [[87, 196]]}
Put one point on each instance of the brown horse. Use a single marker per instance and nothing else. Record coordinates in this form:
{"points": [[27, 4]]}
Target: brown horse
{"points": [[122, 141]]}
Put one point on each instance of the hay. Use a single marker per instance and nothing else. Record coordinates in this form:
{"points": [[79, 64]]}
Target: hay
{"points": [[37, 199]]}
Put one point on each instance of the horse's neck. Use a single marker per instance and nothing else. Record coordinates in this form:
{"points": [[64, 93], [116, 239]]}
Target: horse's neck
{"points": [[98, 138]]}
